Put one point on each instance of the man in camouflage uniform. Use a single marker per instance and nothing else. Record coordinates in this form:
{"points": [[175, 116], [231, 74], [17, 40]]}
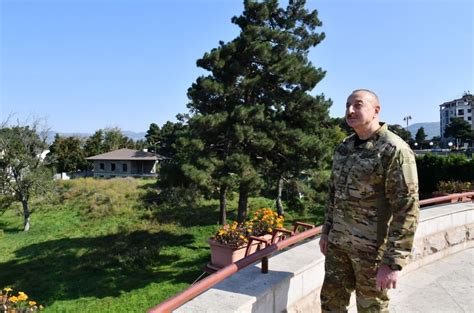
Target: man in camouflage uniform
{"points": [[372, 214]]}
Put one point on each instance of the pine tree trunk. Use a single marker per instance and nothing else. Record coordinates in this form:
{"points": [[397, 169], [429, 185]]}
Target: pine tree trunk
{"points": [[279, 205], [223, 205], [243, 199], [26, 215]]}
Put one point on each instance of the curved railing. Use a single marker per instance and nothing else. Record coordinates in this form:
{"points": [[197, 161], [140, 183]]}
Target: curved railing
{"points": [[453, 198], [201, 286]]}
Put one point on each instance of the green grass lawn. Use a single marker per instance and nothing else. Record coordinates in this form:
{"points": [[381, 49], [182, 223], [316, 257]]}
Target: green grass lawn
{"points": [[77, 258]]}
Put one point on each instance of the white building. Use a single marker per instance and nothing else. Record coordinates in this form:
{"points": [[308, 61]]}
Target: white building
{"points": [[461, 108], [126, 163]]}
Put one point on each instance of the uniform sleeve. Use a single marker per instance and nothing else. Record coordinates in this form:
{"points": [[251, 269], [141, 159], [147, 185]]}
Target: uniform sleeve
{"points": [[401, 189], [327, 225]]}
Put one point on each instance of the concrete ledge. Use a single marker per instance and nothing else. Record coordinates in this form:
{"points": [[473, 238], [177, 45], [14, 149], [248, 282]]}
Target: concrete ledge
{"points": [[296, 275]]}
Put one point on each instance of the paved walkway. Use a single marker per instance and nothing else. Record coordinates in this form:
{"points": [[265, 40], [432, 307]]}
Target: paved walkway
{"points": [[446, 285]]}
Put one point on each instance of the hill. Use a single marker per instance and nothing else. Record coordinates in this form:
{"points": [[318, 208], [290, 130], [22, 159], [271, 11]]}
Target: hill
{"points": [[431, 129], [130, 134]]}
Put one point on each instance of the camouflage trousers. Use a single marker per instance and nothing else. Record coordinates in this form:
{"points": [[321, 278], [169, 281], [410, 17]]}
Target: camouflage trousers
{"points": [[345, 273]]}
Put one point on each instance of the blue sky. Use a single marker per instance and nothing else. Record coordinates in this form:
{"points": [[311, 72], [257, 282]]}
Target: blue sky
{"points": [[86, 65]]}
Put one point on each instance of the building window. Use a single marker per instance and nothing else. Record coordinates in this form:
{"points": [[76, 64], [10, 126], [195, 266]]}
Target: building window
{"points": [[101, 166], [460, 112], [469, 110], [112, 167], [124, 167], [469, 118]]}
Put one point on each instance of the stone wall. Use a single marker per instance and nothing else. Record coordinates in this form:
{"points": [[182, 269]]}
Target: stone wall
{"points": [[296, 275]]}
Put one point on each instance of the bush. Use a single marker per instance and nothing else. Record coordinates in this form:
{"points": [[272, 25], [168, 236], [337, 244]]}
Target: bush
{"points": [[453, 186], [433, 169]]}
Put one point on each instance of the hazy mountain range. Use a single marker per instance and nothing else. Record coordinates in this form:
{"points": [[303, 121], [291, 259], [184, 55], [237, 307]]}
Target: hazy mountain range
{"points": [[133, 135], [431, 130]]}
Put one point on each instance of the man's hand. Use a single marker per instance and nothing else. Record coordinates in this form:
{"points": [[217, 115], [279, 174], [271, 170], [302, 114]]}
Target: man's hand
{"points": [[323, 243], [386, 277]]}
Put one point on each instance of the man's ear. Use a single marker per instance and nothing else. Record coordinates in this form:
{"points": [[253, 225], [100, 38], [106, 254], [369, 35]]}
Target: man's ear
{"points": [[377, 109]]}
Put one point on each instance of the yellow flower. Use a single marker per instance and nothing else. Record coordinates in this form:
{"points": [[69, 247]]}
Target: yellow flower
{"points": [[7, 289], [41, 307], [32, 303], [13, 299], [22, 296]]}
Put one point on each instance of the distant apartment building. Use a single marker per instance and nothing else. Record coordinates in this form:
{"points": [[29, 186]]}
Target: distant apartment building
{"points": [[461, 108]]}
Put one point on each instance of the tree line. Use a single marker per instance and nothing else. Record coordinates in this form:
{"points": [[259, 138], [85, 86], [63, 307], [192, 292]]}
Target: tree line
{"points": [[253, 127]]}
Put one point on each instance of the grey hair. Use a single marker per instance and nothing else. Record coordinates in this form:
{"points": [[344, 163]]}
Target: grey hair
{"points": [[369, 91]]}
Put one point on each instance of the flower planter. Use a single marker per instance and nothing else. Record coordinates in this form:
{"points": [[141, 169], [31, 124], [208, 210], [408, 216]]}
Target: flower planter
{"points": [[223, 255]]}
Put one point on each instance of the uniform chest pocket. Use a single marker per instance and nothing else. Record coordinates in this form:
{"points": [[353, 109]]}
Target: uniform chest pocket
{"points": [[365, 178]]}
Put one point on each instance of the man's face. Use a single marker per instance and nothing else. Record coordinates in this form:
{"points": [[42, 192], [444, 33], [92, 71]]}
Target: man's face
{"points": [[361, 110]]}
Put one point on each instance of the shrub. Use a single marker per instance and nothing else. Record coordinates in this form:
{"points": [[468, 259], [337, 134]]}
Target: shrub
{"points": [[453, 186], [433, 168]]}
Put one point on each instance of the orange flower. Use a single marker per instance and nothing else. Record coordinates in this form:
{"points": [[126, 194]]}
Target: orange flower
{"points": [[22, 296], [265, 220], [262, 222]]}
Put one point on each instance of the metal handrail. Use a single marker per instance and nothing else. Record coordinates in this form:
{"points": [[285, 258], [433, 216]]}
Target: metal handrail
{"points": [[208, 282], [201, 286], [455, 197]]}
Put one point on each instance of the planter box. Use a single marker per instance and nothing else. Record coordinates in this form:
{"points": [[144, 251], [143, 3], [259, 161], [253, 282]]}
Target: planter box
{"points": [[223, 255]]}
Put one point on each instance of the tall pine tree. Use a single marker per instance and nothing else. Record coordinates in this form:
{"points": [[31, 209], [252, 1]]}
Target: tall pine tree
{"points": [[253, 114], [153, 137]]}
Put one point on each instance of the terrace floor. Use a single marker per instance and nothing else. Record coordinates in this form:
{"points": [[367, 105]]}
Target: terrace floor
{"points": [[446, 286]]}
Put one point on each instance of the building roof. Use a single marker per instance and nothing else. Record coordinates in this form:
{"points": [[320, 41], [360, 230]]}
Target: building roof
{"points": [[127, 155], [467, 98]]}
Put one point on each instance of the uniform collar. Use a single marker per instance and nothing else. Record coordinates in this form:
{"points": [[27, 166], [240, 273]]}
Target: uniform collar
{"points": [[370, 141]]}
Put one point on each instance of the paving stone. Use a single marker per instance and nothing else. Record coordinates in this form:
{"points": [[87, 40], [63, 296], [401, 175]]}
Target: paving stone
{"points": [[446, 285]]}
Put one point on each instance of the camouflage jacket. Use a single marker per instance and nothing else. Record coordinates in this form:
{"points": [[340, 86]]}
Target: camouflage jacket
{"points": [[373, 205]]}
